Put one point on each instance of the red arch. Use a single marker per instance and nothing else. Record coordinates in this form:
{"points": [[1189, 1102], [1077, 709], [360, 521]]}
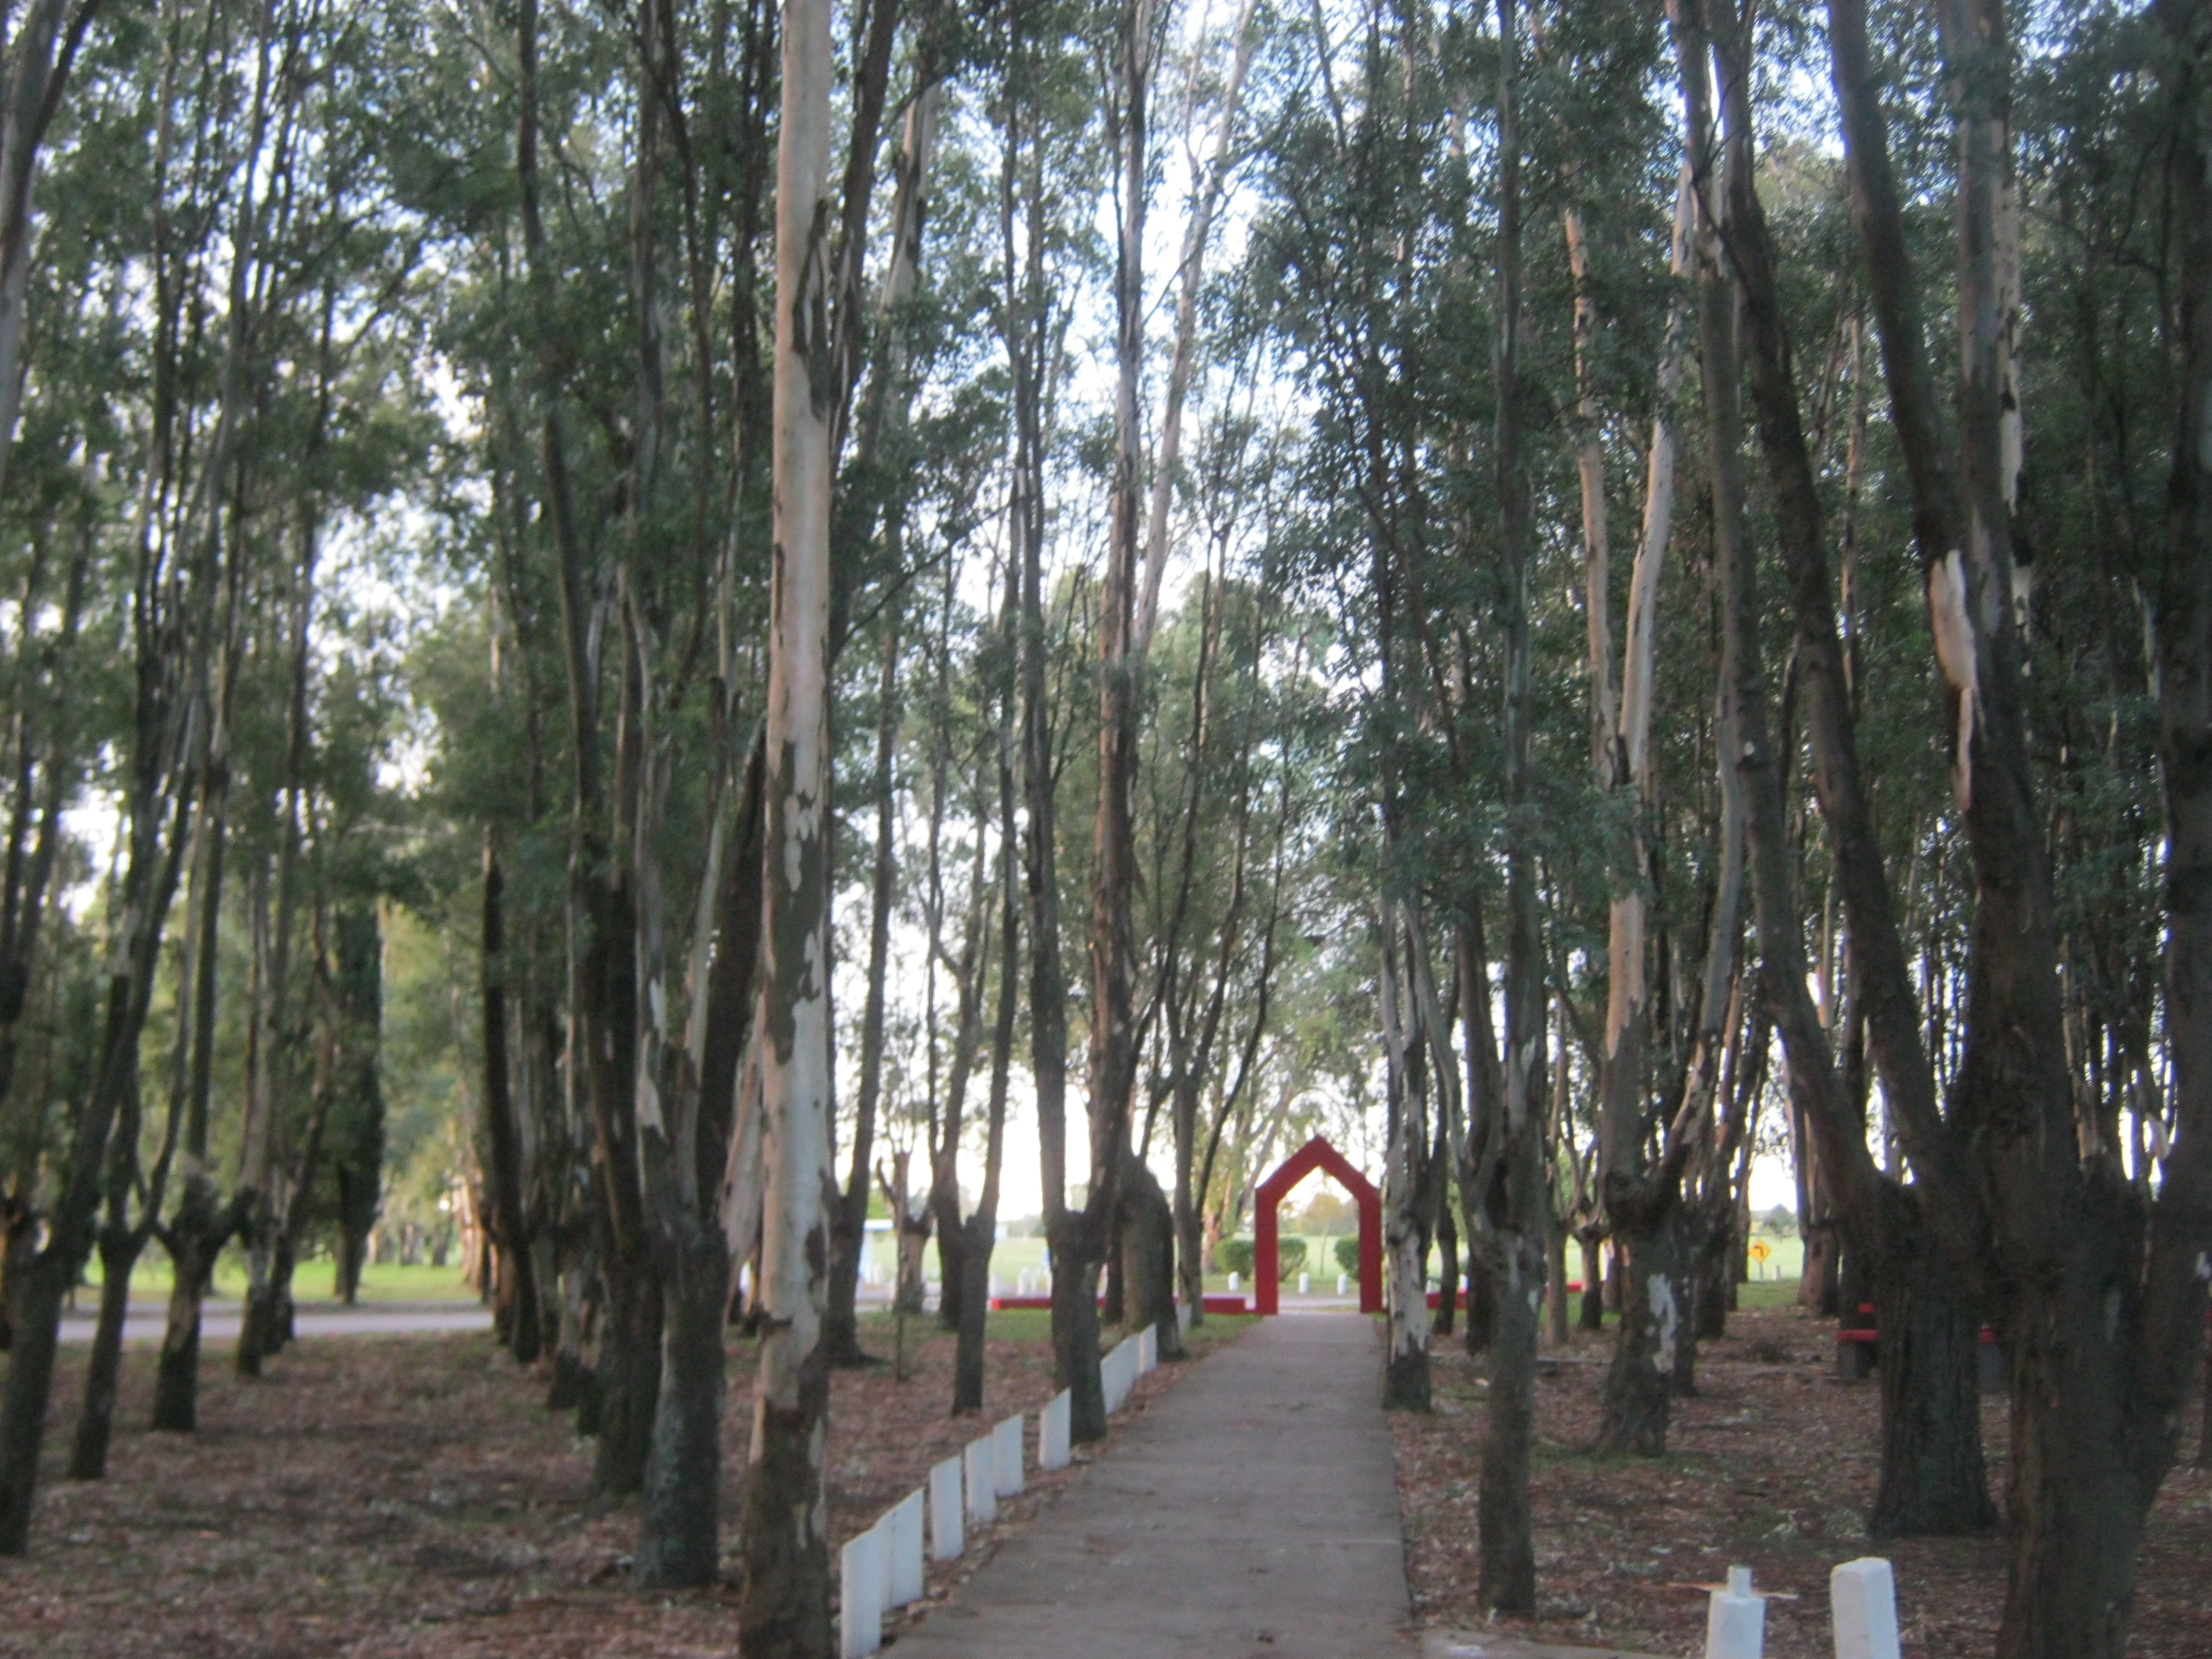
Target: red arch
{"points": [[1267, 1248]]}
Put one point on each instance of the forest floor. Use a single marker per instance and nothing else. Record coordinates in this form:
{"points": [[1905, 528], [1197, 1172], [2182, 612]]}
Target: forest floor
{"points": [[1771, 1465], [411, 1496]]}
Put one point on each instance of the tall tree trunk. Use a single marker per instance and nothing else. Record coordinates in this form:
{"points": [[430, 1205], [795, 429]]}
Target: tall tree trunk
{"points": [[840, 1332], [1638, 1214], [913, 1232], [785, 1609], [1405, 1218], [980, 1231], [1932, 1478], [1517, 1212], [2091, 1291], [1074, 1267], [1113, 1049], [95, 1422], [357, 1104], [888, 398], [196, 1233], [515, 1313], [602, 1036], [272, 1067]]}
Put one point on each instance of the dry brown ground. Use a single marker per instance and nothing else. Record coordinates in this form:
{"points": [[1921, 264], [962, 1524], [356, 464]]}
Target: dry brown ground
{"points": [[1772, 1466], [390, 1496]]}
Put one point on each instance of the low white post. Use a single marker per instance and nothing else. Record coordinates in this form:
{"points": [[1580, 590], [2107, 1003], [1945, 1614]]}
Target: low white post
{"points": [[1236, 1284], [1117, 1373], [903, 1569], [1305, 1284], [1862, 1596], [994, 1287], [1007, 1458], [947, 1535], [1052, 1432], [860, 1595], [1148, 1349], [981, 1482], [1343, 1283], [1735, 1620]]}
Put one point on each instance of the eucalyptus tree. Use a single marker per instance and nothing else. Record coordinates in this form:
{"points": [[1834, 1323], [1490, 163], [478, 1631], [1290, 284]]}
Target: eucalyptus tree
{"points": [[1932, 1477], [190, 546], [2094, 1286], [785, 1609]]}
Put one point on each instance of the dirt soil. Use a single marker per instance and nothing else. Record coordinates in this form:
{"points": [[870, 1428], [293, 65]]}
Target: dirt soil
{"points": [[388, 1495], [1772, 1466]]}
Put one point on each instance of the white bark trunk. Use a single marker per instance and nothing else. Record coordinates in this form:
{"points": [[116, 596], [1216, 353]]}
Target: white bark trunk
{"points": [[786, 1605], [1625, 991], [795, 1063]]}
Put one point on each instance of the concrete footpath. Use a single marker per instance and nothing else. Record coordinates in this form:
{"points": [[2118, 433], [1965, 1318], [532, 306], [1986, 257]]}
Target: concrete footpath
{"points": [[1250, 1513]]}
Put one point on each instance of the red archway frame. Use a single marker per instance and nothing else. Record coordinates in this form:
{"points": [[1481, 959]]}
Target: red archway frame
{"points": [[1267, 1248]]}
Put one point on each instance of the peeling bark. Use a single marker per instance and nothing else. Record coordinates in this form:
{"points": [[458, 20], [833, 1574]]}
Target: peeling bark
{"points": [[785, 1609]]}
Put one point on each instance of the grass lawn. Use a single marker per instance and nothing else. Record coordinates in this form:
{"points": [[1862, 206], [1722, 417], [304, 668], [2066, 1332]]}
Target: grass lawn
{"points": [[152, 1280]]}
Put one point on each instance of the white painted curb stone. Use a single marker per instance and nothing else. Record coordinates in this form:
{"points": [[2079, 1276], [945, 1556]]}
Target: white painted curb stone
{"points": [[860, 1596], [1007, 1458], [982, 1487], [1862, 1594], [1735, 1620], [947, 1534], [903, 1569], [1052, 1432]]}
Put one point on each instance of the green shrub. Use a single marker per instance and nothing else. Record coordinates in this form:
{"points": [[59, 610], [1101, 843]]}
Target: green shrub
{"points": [[1347, 1257], [1234, 1255]]}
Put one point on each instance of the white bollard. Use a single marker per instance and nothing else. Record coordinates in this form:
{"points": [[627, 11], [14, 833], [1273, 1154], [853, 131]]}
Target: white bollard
{"points": [[1007, 1458], [1862, 1596], [903, 1569], [860, 1596], [981, 1482], [1119, 1373], [1148, 1350], [994, 1287], [1234, 1284], [1305, 1284], [1343, 1283], [948, 1536], [1735, 1620], [1053, 1431]]}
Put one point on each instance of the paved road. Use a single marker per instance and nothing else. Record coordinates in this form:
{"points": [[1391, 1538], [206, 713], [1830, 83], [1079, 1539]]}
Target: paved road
{"points": [[219, 1319], [1250, 1513]]}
